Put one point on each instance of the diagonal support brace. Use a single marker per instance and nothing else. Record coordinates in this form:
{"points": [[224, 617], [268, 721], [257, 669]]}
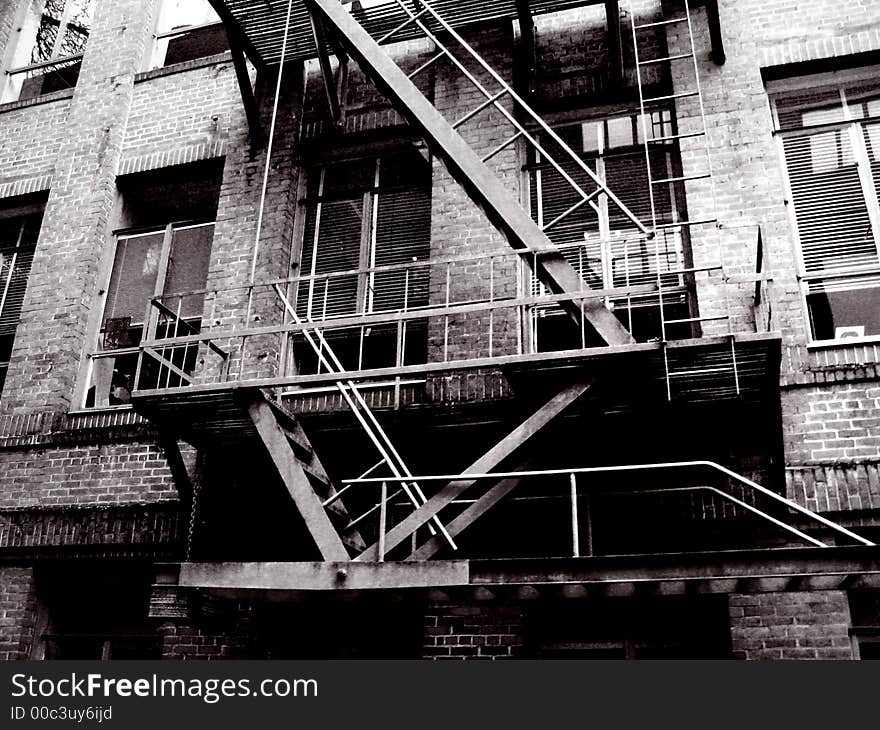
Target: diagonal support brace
{"points": [[486, 463]]}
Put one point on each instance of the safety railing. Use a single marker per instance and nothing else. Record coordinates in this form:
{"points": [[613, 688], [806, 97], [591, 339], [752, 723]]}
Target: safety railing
{"points": [[718, 489], [443, 310]]}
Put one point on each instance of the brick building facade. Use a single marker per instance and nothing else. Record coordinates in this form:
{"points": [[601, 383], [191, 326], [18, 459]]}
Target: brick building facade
{"points": [[137, 167]]}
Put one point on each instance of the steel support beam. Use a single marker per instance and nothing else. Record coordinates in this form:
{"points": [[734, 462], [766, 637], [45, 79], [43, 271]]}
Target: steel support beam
{"points": [[486, 463], [291, 471], [334, 101], [615, 42], [713, 17], [527, 64], [467, 518], [241, 48], [248, 100], [466, 167], [787, 569]]}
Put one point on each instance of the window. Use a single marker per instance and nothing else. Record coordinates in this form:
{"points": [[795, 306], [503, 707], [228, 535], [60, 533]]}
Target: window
{"points": [[830, 138], [160, 250], [665, 628], [864, 606], [90, 614], [367, 225], [187, 30], [601, 243], [18, 239], [166, 263], [48, 52]]}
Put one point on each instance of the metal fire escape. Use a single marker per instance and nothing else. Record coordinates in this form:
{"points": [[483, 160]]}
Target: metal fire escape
{"points": [[350, 32]]}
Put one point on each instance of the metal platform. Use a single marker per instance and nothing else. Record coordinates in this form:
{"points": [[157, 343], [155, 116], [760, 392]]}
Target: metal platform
{"points": [[215, 418], [746, 571], [700, 370], [262, 23]]}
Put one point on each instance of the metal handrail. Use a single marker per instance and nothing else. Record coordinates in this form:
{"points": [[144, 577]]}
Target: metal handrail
{"points": [[630, 467], [390, 317]]}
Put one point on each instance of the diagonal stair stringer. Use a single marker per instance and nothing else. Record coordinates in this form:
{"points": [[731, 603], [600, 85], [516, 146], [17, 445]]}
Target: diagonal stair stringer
{"points": [[282, 445]]}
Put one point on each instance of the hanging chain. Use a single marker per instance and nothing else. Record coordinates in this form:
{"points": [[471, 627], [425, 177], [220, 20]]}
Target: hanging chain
{"points": [[193, 517]]}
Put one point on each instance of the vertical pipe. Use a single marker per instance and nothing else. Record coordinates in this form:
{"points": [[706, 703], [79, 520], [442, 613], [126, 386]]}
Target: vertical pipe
{"points": [[383, 518], [575, 536], [491, 304]]}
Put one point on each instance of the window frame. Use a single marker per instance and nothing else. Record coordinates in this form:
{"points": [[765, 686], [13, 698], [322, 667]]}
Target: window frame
{"points": [[367, 247], [22, 213], [853, 128], [602, 117], [159, 50], [151, 316], [56, 59]]}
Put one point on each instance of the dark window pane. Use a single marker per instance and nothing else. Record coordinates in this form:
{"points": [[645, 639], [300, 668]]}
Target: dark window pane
{"points": [[842, 314], [197, 43], [403, 236], [133, 281], [188, 268]]}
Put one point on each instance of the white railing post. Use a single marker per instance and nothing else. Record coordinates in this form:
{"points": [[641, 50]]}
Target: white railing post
{"points": [[383, 519]]}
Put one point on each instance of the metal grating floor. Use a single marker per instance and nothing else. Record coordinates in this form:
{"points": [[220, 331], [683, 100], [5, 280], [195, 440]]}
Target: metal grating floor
{"points": [[262, 22]]}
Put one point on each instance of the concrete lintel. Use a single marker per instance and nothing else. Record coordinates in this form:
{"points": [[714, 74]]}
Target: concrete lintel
{"points": [[324, 576]]}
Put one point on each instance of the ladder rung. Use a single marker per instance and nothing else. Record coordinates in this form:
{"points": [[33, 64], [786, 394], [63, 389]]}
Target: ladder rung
{"points": [[662, 22], [395, 31], [684, 178], [685, 224], [427, 64], [490, 100], [672, 137], [681, 95], [503, 146], [664, 59]]}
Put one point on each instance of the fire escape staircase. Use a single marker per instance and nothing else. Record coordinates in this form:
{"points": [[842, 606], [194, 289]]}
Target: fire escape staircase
{"points": [[334, 529]]}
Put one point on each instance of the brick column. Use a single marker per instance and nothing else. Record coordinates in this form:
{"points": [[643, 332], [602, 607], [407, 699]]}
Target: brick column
{"points": [[810, 625], [61, 291], [236, 230], [17, 612]]}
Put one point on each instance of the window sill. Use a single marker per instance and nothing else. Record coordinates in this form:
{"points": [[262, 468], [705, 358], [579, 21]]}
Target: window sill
{"points": [[185, 66], [98, 410], [36, 101], [849, 342]]}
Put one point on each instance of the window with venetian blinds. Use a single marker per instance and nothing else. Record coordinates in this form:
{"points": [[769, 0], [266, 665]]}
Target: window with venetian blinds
{"points": [[830, 137]]}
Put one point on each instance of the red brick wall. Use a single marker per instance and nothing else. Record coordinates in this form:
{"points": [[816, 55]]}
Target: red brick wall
{"points": [[790, 625]]}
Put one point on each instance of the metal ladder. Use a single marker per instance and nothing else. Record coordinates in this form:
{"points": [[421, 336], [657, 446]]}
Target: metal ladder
{"points": [[504, 210], [701, 132]]}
